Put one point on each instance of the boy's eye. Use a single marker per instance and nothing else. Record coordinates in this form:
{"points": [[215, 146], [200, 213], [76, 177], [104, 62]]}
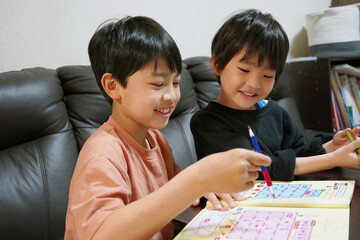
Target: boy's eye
{"points": [[176, 84], [244, 70], [268, 76], [157, 84]]}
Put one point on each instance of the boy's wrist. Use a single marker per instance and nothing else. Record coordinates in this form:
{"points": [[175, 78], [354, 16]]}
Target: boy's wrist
{"points": [[334, 159], [329, 146], [196, 179]]}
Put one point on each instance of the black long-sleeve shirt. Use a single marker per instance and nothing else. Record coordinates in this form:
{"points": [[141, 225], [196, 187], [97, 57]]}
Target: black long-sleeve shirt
{"points": [[217, 128]]}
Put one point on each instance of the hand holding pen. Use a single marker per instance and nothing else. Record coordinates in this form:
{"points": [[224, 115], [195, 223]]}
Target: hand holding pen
{"points": [[263, 168], [352, 139]]}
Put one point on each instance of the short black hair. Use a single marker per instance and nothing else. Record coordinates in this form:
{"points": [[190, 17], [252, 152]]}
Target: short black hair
{"points": [[124, 46], [258, 32]]}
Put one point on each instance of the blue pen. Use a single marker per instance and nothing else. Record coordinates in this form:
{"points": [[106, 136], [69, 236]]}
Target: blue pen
{"points": [[263, 168]]}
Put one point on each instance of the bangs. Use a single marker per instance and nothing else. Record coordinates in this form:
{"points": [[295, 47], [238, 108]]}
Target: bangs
{"points": [[169, 54], [269, 51], [141, 47], [259, 34], [268, 46]]}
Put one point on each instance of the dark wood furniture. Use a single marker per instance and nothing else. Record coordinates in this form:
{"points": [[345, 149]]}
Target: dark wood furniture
{"points": [[308, 82], [334, 174]]}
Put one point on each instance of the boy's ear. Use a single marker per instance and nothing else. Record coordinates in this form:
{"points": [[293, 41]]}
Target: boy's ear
{"points": [[111, 86], [214, 66]]}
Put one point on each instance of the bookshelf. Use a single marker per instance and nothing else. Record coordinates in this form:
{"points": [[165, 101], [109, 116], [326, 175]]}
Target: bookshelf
{"points": [[307, 80]]}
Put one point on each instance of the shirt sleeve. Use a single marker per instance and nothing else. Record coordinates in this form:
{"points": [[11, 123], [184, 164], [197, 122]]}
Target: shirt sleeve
{"points": [[315, 147], [283, 159], [294, 135], [283, 165], [100, 189]]}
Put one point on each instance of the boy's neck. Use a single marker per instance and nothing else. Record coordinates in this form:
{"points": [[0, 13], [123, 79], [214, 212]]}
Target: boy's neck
{"points": [[138, 132]]}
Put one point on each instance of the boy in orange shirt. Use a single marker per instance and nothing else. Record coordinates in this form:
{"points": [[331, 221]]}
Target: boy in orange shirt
{"points": [[126, 184]]}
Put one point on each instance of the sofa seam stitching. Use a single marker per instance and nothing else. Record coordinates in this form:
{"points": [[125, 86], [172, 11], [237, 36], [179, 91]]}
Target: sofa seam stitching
{"points": [[46, 189]]}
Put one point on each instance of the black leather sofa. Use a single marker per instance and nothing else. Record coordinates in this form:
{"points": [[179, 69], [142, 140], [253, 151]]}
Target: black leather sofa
{"points": [[46, 116]]}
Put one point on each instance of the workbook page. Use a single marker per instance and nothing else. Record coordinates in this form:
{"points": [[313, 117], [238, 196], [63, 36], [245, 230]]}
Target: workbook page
{"points": [[268, 223], [327, 194]]}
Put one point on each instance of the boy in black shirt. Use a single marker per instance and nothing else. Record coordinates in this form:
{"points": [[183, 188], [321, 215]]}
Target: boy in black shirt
{"points": [[248, 55]]}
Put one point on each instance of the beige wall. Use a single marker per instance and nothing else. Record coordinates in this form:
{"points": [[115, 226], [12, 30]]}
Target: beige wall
{"points": [[52, 33]]}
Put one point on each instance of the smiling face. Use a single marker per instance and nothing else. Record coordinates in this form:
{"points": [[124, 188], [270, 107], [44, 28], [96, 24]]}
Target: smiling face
{"points": [[244, 83], [148, 99]]}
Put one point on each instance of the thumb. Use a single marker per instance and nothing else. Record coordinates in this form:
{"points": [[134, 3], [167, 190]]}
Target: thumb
{"points": [[355, 144]]}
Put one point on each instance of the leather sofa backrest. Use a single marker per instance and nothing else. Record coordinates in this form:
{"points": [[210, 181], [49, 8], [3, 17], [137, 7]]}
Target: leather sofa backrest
{"points": [[37, 155], [86, 106], [206, 86]]}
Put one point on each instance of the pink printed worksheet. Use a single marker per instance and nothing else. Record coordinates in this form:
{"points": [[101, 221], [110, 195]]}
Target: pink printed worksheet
{"points": [[265, 220]]}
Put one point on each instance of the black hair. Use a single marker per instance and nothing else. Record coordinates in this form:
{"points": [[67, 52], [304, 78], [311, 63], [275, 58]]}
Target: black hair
{"points": [[124, 46], [258, 32]]}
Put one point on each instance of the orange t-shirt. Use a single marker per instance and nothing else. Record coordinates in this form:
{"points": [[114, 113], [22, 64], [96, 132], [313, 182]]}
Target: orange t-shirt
{"points": [[112, 171]]}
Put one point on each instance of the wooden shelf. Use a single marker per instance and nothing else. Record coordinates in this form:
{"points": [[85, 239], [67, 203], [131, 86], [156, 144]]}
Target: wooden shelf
{"points": [[308, 82]]}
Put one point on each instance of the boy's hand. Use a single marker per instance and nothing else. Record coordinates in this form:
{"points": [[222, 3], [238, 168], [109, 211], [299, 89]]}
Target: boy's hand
{"points": [[341, 139], [232, 171], [347, 155], [229, 198]]}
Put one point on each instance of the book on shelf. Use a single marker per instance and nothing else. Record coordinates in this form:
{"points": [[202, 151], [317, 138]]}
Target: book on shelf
{"points": [[347, 69], [344, 82], [355, 90], [349, 99], [301, 210], [335, 86], [337, 122]]}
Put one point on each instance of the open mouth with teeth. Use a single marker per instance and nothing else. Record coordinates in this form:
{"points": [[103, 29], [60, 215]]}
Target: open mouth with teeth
{"points": [[165, 112], [248, 94]]}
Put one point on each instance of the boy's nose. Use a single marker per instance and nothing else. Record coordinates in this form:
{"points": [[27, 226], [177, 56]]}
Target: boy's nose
{"points": [[170, 95], [254, 81]]}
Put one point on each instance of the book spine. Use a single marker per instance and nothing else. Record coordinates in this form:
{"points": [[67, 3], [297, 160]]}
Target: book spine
{"points": [[339, 99], [336, 121]]}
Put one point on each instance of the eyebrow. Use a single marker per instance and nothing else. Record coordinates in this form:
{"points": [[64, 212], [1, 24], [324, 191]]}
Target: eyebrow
{"points": [[245, 61], [252, 63], [163, 74]]}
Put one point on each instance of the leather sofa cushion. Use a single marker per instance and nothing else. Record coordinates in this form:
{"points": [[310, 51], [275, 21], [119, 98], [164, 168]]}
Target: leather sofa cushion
{"points": [[87, 107], [206, 86], [37, 155], [31, 106]]}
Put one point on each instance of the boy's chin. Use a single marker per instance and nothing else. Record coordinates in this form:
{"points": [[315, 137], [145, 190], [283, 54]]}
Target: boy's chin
{"points": [[159, 125]]}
